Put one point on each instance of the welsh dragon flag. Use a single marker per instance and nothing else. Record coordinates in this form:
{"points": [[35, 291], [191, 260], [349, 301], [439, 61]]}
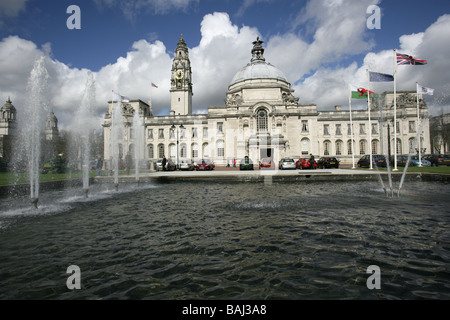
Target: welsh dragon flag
{"points": [[361, 93]]}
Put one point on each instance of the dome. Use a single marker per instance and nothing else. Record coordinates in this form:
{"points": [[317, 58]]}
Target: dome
{"points": [[259, 70]]}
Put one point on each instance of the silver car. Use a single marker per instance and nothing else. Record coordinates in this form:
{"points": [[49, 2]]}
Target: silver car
{"points": [[186, 165], [287, 163]]}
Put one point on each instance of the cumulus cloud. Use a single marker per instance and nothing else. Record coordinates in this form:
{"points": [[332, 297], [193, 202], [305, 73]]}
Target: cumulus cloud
{"points": [[426, 45], [223, 50]]}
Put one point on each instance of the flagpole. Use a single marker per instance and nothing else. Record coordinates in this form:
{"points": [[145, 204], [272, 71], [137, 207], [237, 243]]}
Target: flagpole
{"points": [[418, 124], [351, 124], [370, 122], [395, 110]]}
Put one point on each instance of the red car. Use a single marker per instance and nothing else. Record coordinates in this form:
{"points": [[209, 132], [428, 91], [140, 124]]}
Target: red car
{"points": [[267, 163], [306, 164], [204, 165]]}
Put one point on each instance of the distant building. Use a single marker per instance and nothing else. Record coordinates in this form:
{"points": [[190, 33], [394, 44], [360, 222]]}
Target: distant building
{"points": [[8, 129], [440, 133], [262, 118]]}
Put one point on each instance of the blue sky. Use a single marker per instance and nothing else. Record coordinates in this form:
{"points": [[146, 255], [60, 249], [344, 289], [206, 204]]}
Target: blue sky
{"points": [[141, 35]]}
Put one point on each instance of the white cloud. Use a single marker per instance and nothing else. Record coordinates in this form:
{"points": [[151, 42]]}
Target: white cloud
{"points": [[223, 50]]}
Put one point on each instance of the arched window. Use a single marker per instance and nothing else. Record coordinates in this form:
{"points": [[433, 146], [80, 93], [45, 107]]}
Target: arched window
{"points": [[326, 148], [350, 147], [205, 150], [183, 150], [220, 149], [172, 150], [362, 147], [339, 146], [261, 120], [150, 151], [305, 146], [374, 146], [160, 151], [194, 151]]}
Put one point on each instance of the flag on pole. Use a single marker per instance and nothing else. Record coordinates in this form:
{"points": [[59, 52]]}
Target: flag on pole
{"points": [[424, 90], [404, 59], [360, 93], [380, 77], [154, 85], [120, 98]]}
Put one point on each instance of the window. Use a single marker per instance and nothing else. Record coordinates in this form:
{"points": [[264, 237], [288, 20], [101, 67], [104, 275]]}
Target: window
{"points": [[362, 128], [150, 134], [305, 126], [194, 133], [131, 133], [161, 134], [398, 127], [326, 147], [305, 147], [182, 133], [219, 127], [349, 129], [374, 128], [183, 150], [374, 147], [172, 134], [338, 130], [339, 145], [194, 151], [412, 126], [205, 132], [362, 147], [150, 151], [412, 145], [399, 146], [261, 120], [220, 149], [205, 150], [349, 147], [160, 151], [326, 129], [172, 150]]}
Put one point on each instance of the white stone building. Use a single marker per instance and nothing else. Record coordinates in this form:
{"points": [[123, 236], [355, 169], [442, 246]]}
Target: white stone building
{"points": [[263, 118]]}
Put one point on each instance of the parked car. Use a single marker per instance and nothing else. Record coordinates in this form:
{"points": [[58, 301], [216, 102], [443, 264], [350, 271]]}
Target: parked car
{"points": [[186, 165], [170, 165], [438, 159], [415, 162], [401, 160], [246, 164], [204, 165], [305, 163], [328, 162], [287, 163], [267, 163], [378, 160]]}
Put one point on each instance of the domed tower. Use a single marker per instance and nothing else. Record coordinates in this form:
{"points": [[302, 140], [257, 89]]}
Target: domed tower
{"points": [[260, 83], [181, 81]]}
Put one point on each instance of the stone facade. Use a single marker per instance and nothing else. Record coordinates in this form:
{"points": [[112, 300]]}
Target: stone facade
{"points": [[263, 118]]}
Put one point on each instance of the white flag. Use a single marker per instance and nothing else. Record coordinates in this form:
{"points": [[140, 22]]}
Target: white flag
{"points": [[424, 90], [120, 98]]}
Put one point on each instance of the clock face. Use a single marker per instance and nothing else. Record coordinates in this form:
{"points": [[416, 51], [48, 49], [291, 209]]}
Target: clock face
{"points": [[179, 74]]}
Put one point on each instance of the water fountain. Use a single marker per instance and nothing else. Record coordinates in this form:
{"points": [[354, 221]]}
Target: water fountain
{"points": [[117, 130], [139, 141], [84, 127], [31, 126]]}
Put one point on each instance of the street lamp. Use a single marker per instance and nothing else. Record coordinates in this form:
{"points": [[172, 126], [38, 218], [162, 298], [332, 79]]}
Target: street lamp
{"points": [[178, 139]]}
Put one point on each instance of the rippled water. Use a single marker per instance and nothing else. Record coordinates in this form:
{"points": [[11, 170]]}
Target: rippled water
{"points": [[229, 241]]}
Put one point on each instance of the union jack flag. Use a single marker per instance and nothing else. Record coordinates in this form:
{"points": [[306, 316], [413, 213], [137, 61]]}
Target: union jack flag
{"points": [[404, 59]]}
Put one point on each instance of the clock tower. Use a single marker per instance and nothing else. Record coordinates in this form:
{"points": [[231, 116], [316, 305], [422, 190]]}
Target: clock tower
{"points": [[181, 81]]}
